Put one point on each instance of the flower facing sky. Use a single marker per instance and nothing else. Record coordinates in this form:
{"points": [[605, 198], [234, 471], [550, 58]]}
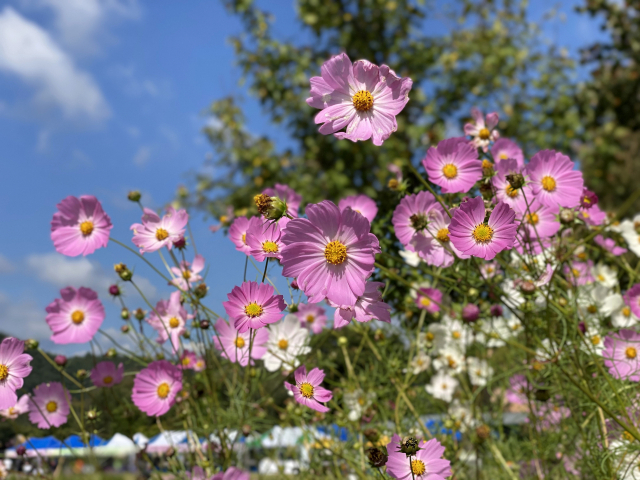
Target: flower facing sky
{"points": [[76, 317], [264, 239], [429, 299], [155, 388], [238, 232], [234, 345], [360, 203], [106, 374], [369, 306], [80, 226], [515, 198], [361, 96], [253, 305], [288, 194], [553, 179], [188, 273], [442, 386], [311, 316], [19, 408], [621, 355], [504, 149], [483, 133], [307, 390], [49, 405], [15, 365], [426, 464], [453, 165], [155, 232], [169, 319], [287, 340]]}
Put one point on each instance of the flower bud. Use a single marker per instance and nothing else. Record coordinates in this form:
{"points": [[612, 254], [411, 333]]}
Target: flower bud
{"points": [[516, 180], [486, 189], [293, 308], [542, 394], [124, 273], [186, 334], [567, 215], [371, 434], [470, 313], [253, 372], [160, 356], [180, 244], [201, 291], [378, 335], [125, 329], [134, 196], [343, 341], [60, 360], [92, 414], [21, 450], [111, 353], [204, 324], [483, 432], [528, 287], [294, 285], [31, 344], [81, 374], [377, 457], [139, 314], [114, 290], [409, 446], [562, 302], [124, 313], [272, 208], [496, 310], [393, 184], [582, 327]]}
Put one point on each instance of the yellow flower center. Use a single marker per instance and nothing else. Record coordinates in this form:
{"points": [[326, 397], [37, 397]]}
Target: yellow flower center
{"points": [[224, 219], [77, 317], [12, 411], [306, 390], [631, 352], [244, 238], [484, 133], [456, 335], [51, 406], [533, 218], [283, 344], [174, 322], [107, 380], [425, 302], [452, 362], [362, 101], [592, 309], [186, 361], [253, 309], [576, 272], [161, 234], [487, 164], [335, 252], [595, 340], [511, 192], [163, 390], [430, 336], [627, 436], [310, 318], [548, 183], [450, 171], [417, 467], [239, 342], [443, 234], [186, 274], [269, 247], [4, 372], [482, 233], [503, 156], [86, 228], [626, 311]]}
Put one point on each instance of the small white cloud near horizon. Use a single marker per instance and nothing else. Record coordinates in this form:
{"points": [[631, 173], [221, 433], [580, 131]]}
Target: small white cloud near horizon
{"points": [[142, 156]]}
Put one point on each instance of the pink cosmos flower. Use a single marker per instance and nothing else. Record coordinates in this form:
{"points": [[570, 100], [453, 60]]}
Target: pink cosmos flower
{"points": [[264, 239], [80, 226], [588, 199], [472, 236], [504, 192], [579, 273], [632, 299], [106, 374], [331, 253], [553, 180], [549, 415], [429, 299], [369, 306], [483, 133], [361, 204], [253, 305], [20, 407], [411, 222], [312, 317], [307, 390], [592, 216], [225, 220], [504, 149], [489, 269], [609, 244], [76, 317], [187, 274], [232, 473], [171, 322], [517, 391], [235, 345], [49, 405], [539, 220], [188, 360], [155, 232], [238, 232], [361, 96], [426, 464], [287, 194], [621, 355], [155, 388], [453, 165], [396, 170], [14, 366]]}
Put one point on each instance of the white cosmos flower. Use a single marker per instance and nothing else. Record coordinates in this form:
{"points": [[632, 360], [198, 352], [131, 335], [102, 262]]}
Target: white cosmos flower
{"points": [[411, 258], [459, 335], [356, 402], [605, 275], [450, 360], [442, 386], [629, 232], [592, 299], [496, 330], [434, 338], [287, 340], [593, 340], [621, 315], [479, 371], [461, 416], [420, 363]]}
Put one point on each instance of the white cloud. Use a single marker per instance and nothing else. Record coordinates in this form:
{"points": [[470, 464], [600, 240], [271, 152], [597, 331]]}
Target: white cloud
{"points": [[142, 156], [23, 319], [30, 53], [6, 266], [133, 85]]}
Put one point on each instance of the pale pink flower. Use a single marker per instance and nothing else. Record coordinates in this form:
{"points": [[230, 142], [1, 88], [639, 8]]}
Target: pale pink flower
{"points": [[453, 165], [155, 232], [20, 407], [234, 345], [369, 306], [311, 316], [106, 374], [49, 405], [14, 367], [169, 320], [76, 317], [188, 273], [360, 203], [264, 238], [483, 133], [155, 388], [504, 149], [253, 305], [238, 232]]}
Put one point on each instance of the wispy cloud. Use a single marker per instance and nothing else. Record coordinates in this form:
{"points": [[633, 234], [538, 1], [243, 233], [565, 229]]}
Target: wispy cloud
{"points": [[142, 156]]}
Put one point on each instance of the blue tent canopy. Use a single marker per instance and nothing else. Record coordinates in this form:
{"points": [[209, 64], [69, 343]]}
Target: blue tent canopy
{"points": [[74, 441], [340, 432], [436, 426], [35, 443]]}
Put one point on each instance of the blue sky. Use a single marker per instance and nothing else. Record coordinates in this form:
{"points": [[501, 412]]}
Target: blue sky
{"points": [[105, 96]]}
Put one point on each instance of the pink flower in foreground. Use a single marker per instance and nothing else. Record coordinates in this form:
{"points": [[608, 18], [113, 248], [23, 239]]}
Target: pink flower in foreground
{"points": [[80, 226], [106, 374], [188, 273], [609, 244], [453, 165], [234, 345], [287, 194], [472, 236], [155, 232], [361, 96], [426, 464], [171, 322], [429, 299], [539, 220], [331, 253], [14, 367], [307, 390], [49, 405], [553, 180], [232, 473], [155, 388], [238, 232], [621, 355], [504, 149], [76, 317], [253, 305], [515, 198], [264, 239], [369, 306], [517, 391], [20, 407], [483, 133], [360, 203], [632, 299], [311, 316]]}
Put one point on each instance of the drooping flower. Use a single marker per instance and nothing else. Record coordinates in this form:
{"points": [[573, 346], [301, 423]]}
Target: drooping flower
{"points": [[155, 232], [264, 239], [80, 226], [238, 232], [287, 194], [331, 253], [232, 473], [514, 197], [369, 306], [426, 464], [483, 133], [609, 244], [19, 408], [362, 204], [442, 386], [411, 222], [188, 273], [453, 165], [287, 341], [621, 355], [14, 367], [76, 317], [253, 305], [106, 374], [472, 236], [234, 345], [361, 96], [155, 388], [311, 316], [169, 319], [429, 299], [307, 390], [553, 180], [49, 405], [504, 149], [539, 220]]}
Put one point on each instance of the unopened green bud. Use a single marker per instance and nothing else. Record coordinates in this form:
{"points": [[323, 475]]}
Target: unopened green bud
{"points": [[134, 196], [111, 353], [516, 180], [409, 446], [124, 314], [81, 374], [201, 290], [31, 344], [343, 341]]}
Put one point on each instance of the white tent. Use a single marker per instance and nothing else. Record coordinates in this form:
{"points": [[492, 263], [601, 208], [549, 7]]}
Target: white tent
{"points": [[140, 440], [280, 437], [118, 446]]}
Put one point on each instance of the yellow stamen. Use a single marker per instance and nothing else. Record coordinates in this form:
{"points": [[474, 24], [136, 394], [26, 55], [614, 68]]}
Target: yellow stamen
{"points": [[450, 171], [306, 390], [511, 192], [163, 390], [425, 302], [161, 234], [487, 164], [595, 340], [503, 156], [626, 311], [484, 133], [362, 101], [77, 317], [576, 272], [239, 342], [631, 352], [548, 183], [592, 309], [51, 406], [253, 310], [532, 218], [269, 247], [482, 233], [4, 372], [174, 322], [601, 278], [430, 336], [186, 274], [335, 252], [456, 335], [186, 361], [283, 344], [244, 238], [310, 318], [443, 234], [86, 228], [107, 380]]}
